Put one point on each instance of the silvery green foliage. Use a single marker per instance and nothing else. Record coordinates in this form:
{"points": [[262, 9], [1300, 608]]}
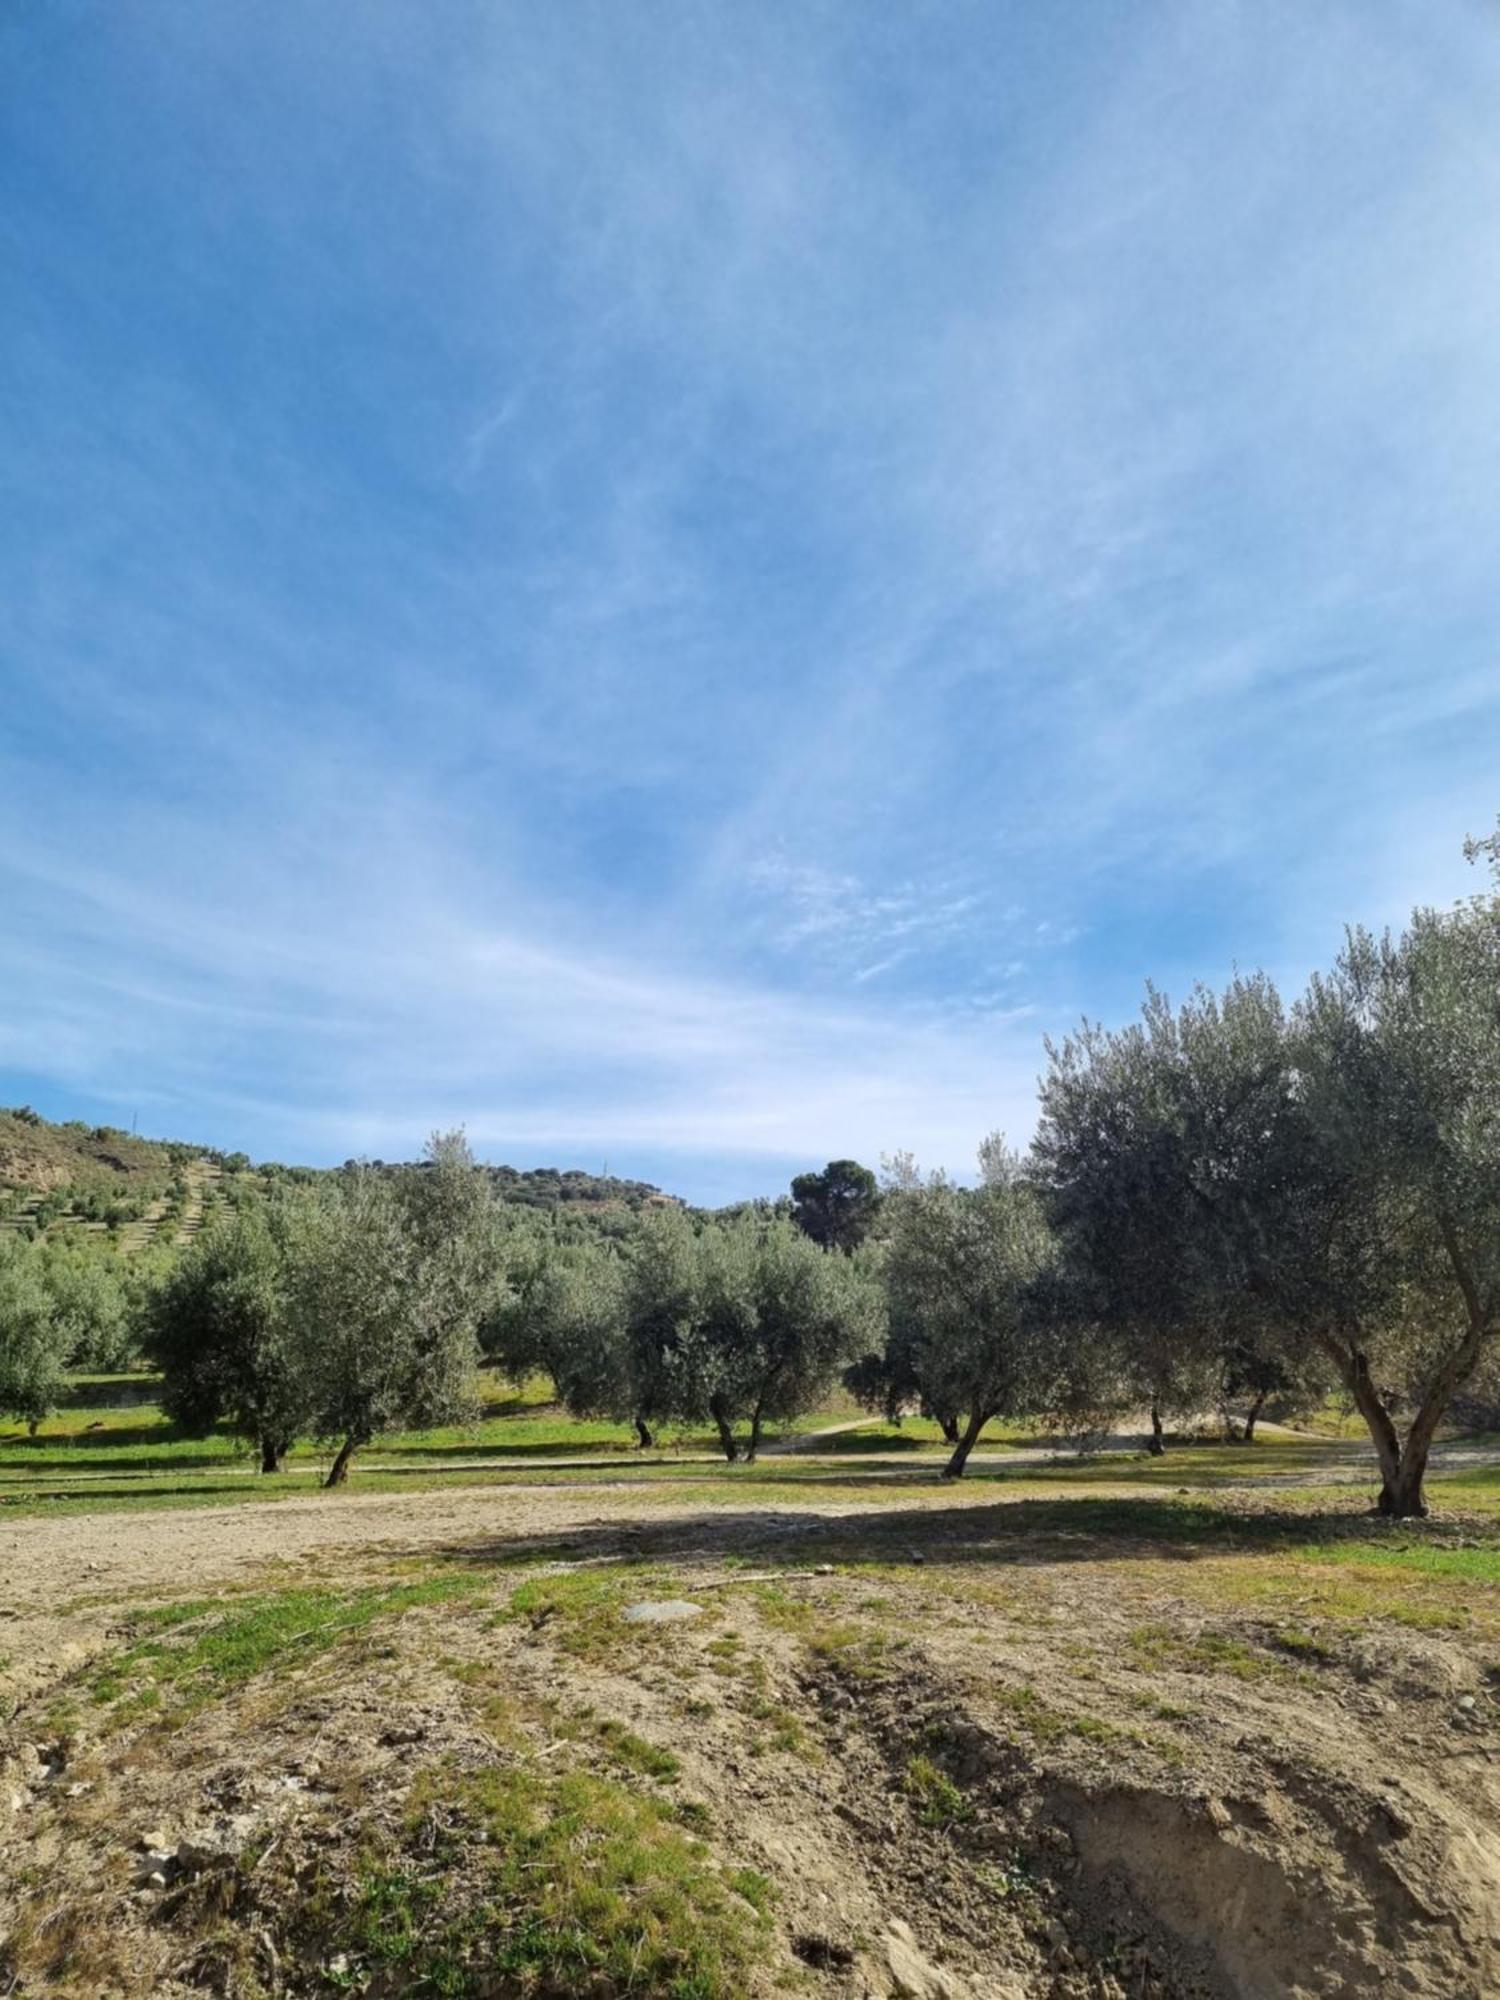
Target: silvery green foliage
{"points": [[90, 1304], [573, 1318], [1322, 1183], [743, 1322], [226, 1328], [781, 1318], [968, 1281], [33, 1343], [391, 1287]]}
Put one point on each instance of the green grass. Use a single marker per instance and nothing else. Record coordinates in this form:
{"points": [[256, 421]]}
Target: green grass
{"points": [[1202, 1503], [938, 1801], [563, 1882], [583, 1611], [636, 1753], [186, 1654]]}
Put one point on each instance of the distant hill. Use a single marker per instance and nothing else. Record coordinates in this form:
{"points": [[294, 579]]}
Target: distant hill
{"points": [[558, 1187], [40, 1156], [101, 1179]]}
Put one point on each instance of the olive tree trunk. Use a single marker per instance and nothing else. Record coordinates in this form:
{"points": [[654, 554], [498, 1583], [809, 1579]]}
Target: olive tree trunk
{"points": [[720, 1415], [954, 1469], [338, 1472], [1403, 1461]]}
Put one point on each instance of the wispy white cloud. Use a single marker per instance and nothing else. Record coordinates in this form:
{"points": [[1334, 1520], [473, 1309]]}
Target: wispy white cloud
{"points": [[755, 589]]}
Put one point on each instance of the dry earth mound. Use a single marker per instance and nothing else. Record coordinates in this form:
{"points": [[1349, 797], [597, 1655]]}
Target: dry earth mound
{"points": [[822, 1766]]}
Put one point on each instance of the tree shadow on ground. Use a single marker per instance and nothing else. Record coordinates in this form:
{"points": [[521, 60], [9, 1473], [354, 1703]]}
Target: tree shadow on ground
{"points": [[1019, 1533]]}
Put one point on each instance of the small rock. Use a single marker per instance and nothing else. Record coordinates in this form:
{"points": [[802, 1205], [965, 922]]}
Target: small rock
{"points": [[1219, 1814], [155, 1880], [154, 1842], [914, 1974], [1467, 1703], [823, 1569], [662, 1611]]}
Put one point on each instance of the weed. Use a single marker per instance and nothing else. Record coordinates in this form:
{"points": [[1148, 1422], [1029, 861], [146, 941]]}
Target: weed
{"points": [[634, 1753], [938, 1800], [583, 1610]]}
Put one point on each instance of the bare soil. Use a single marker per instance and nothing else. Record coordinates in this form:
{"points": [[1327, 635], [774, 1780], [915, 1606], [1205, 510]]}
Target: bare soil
{"points": [[967, 1768]]}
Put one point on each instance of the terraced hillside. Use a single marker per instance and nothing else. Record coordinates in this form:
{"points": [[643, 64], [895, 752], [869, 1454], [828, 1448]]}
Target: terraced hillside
{"points": [[102, 1180]]}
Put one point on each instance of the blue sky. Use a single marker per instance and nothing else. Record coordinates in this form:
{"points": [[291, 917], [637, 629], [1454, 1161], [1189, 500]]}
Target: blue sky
{"points": [[680, 584]]}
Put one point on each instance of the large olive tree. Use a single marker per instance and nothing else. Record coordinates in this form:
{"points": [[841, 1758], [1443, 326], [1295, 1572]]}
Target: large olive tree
{"points": [[1323, 1181], [1398, 1068]]}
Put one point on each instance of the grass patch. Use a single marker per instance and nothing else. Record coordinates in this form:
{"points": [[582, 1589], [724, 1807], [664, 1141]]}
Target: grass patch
{"points": [[636, 1753], [183, 1655], [564, 1882], [583, 1611], [938, 1800]]}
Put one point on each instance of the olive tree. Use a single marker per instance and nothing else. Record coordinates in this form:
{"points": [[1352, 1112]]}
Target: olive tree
{"points": [[91, 1305], [780, 1318], [225, 1328], [1323, 1183], [889, 1380], [565, 1317], [396, 1279], [738, 1323], [967, 1281], [33, 1343], [1399, 1067]]}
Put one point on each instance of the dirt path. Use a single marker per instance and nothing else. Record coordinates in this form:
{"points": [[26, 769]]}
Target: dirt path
{"points": [[46, 1563]]}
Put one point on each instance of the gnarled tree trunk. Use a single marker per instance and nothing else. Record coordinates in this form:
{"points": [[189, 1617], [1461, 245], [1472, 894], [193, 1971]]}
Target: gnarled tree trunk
{"points": [[272, 1452], [338, 1472], [1402, 1461], [1157, 1445], [954, 1469], [643, 1433], [720, 1414]]}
